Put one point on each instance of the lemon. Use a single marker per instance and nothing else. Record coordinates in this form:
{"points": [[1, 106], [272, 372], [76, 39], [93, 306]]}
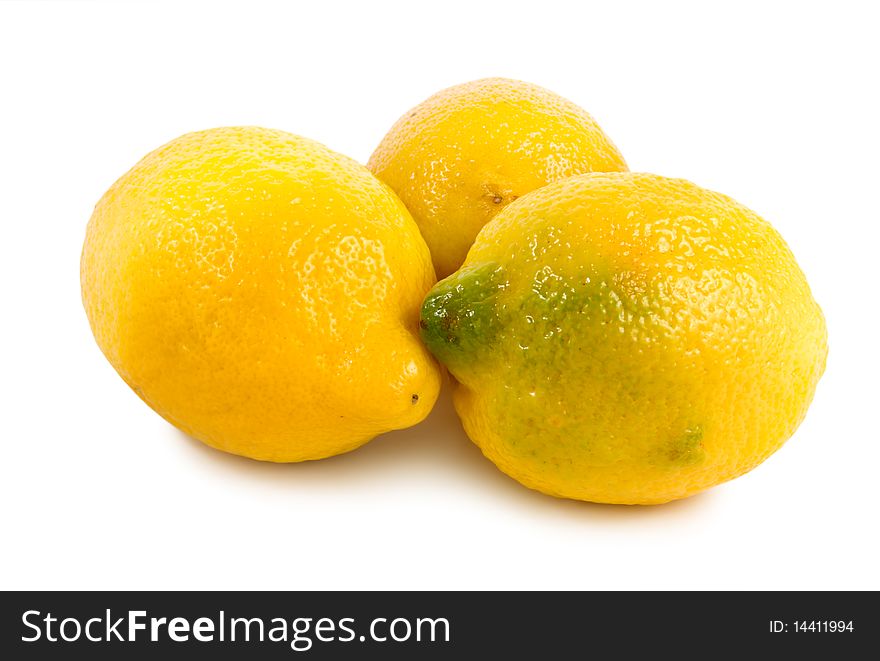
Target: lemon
{"points": [[261, 293], [626, 338], [461, 156]]}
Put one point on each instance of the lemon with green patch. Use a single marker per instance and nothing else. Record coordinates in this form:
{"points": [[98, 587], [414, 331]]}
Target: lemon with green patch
{"points": [[627, 338]]}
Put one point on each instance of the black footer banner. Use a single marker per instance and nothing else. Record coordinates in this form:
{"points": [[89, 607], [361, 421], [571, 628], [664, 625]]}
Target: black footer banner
{"points": [[426, 625]]}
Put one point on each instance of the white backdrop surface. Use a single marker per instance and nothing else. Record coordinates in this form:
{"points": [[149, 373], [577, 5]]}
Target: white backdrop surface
{"points": [[772, 103]]}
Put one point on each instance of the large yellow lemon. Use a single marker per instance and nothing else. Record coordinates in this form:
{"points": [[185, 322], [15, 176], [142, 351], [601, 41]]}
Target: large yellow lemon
{"points": [[261, 293]]}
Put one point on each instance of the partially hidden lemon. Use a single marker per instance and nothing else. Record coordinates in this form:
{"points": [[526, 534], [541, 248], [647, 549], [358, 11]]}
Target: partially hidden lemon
{"points": [[261, 293], [462, 155], [626, 338]]}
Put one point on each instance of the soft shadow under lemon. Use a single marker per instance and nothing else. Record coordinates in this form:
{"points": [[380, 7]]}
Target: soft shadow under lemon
{"points": [[438, 447]]}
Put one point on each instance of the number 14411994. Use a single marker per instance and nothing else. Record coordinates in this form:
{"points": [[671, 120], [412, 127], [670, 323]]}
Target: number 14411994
{"points": [[811, 626]]}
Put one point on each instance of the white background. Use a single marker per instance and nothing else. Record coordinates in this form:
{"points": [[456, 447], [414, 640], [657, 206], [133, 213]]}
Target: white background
{"points": [[773, 103]]}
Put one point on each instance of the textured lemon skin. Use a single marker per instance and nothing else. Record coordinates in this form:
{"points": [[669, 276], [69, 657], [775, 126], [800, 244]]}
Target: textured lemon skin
{"points": [[626, 338], [261, 293], [463, 154]]}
